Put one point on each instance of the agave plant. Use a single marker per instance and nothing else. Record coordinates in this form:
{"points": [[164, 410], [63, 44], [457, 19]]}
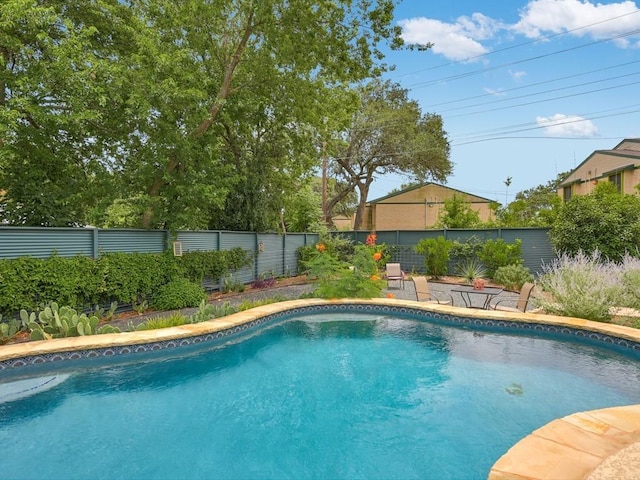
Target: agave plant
{"points": [[471, 269]]}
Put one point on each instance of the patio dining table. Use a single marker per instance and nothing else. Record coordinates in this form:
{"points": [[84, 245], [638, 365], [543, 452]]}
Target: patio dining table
{"points": [[485, 295]]}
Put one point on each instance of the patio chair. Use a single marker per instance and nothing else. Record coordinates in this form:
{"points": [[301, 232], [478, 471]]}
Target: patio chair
{"points": [[394, 273], [423, 294], [521, 304]]}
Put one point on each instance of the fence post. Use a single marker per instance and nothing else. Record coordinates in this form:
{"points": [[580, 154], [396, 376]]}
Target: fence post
{"points": [[95, 238]]}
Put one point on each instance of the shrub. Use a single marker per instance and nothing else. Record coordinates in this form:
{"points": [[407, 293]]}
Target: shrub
{"points": [[583, 286], [179, 293], [463, 252], [513, 276], [497, 253], [339, 279], [436, 252], [605, 220], [155, 323]]}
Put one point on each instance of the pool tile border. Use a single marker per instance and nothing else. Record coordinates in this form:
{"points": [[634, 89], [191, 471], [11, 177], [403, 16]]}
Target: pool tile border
{"points": [[555, 449], [130, 343]]}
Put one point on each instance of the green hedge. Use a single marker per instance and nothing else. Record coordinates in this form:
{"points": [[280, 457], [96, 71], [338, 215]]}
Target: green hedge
{"points": [[82, 283]]}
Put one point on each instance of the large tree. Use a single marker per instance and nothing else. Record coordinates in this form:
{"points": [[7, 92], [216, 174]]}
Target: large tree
{"points": [[388, 134], [170, 107], [57, 120], [535, 207]]}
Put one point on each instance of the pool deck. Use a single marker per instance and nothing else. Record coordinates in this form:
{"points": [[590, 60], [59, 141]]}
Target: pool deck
{"points": [[595, 445]]}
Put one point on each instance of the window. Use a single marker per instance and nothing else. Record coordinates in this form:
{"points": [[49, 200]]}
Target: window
{"points": [[616, 179], [566, 193]]}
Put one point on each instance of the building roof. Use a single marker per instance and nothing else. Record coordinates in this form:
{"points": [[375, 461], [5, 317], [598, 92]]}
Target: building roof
{"points": [[426, 184], [619, 159]]}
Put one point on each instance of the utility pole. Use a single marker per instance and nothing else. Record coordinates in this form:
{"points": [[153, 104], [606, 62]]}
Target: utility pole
{"points": [[324, 175]]}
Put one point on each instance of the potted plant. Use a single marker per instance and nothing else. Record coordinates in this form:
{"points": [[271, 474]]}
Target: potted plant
{"points": [[478, 283]]}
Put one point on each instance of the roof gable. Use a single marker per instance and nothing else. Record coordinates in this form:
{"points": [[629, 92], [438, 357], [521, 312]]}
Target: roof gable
{"points": [[419, 193]]}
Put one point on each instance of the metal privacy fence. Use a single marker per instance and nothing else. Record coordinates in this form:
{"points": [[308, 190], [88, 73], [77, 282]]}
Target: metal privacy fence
{"points": [[536, 248], [274, 254]]}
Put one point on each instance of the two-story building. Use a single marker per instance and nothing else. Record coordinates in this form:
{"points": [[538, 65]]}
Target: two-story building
{"points": [[620, 166]]}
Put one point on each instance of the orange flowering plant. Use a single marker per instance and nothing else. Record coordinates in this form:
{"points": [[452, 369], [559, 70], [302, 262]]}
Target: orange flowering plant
{"points": [[356, 277]]}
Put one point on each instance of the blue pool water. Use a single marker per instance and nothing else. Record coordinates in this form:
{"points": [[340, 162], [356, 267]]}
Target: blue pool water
{"points": [[318, 397]]}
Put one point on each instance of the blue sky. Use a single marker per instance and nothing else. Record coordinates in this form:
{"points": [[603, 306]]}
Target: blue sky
{"points": [[526, 89]]}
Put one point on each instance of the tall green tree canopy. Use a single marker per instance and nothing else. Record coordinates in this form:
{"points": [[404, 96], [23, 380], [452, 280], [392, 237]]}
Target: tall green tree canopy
{"points": [[535, 207], [185, 114], [388, 134], [605, 220]]}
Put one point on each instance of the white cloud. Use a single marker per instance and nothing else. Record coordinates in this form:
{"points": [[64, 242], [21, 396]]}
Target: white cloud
{"points": [[455, 41], [517, 75], [495, 92], [561, 125], [545, 17]]}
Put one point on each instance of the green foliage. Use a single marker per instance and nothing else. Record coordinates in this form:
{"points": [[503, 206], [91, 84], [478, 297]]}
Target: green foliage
{"points": [[159, 113], [583, 286], [335, 278], [631, 286], [173, 320], [85, 284], [178, 293], [248, 304], [471, 269], [388, 134], [457, 213], [436, 252], [134, 277], [205, 312], [212, 265], [535, 207], [334, 244], [231, 284], [9, 329], [498, 253], [513, 276], [464, 252], [60, 322], [604, 220]]}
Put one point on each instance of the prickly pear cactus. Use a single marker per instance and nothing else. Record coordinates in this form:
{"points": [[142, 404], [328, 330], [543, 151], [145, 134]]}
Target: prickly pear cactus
{"points": [[59, 322]]}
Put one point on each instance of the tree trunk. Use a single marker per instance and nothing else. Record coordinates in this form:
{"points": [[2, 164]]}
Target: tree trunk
{"points": [[363, 190]]}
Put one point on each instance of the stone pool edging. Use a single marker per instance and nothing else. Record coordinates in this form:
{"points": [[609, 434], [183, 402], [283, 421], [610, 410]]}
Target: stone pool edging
{"points": [[569, 448]]}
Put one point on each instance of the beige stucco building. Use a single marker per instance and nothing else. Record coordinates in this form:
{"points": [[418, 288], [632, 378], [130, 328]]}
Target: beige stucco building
{"points": [[417, 208], [620, 166]]}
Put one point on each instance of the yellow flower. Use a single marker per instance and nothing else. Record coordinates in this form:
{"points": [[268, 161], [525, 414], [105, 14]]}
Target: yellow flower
{"points": [[377, 256], [320, 247]]}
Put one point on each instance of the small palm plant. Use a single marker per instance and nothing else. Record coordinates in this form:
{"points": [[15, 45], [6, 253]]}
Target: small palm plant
{"points": [[471, 269]]}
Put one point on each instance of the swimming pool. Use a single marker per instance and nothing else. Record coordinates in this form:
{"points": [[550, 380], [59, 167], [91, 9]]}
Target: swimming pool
{"points": [[317, 396]]}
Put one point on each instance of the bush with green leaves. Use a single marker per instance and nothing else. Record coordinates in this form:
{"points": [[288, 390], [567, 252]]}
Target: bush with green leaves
{"points": [[335, 278], [179, 293], [498, 253], [581, 285], [336, 245], [464, 251], [436, 255], [513, 277], [605, 220]]}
